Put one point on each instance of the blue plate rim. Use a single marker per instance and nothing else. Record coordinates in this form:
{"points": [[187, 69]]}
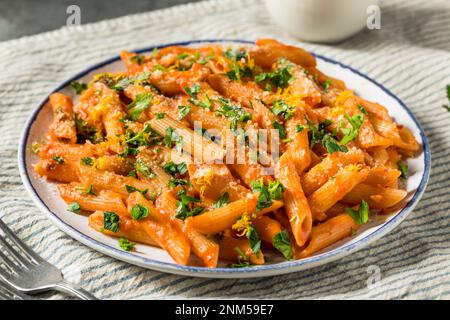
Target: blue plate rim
{"points": [[173, 267]]}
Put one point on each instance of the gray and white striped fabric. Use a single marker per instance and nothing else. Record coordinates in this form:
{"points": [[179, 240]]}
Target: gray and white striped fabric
{"points": [[409, 55]]}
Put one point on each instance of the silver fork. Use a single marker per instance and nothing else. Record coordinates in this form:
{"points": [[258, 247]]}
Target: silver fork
{"points": [[9, 293], [26, 271]]}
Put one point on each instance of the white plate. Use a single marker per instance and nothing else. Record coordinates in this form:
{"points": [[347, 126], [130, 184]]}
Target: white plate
{"points": [[46, 196]]}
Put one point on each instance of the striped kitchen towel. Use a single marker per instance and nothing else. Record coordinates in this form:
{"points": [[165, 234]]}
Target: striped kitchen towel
{"points": [[410, 55]]}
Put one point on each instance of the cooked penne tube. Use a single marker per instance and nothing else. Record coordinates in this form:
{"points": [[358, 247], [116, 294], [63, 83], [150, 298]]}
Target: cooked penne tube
{"points": [[329, 232], [63, 126], [335, 189], [267, 228], [318, 175], [217, 220], [105, 199], [130, 229], [295, 202], [232, 249], [67, 171], [376, 197]]}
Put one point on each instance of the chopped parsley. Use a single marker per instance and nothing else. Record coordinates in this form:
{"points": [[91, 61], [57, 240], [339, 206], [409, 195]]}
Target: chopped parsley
{"points": [[403, 167], [282, 243], [280, 78], [276, 190], [193, 91], [172, 137], [223, 200], [253, 239], [143, 168], [233, 112], [90, 191], [205, 59], [317, 134], [146, 137], [87, 161], [299, 128], [74, 207], [362, 215], [139, 105], [126, 244], [173, 168], [131, 189], [186, 206], [282, 133], [177, 182], [86, 132], [362, 109], [183, 111], [79, 87], [326, 84], [139, 59], [58, 159], [281, 108], [160, 115], [351, 134], [111, 221], [239, 67], [273, 191], [139, 212], [240, 264]]}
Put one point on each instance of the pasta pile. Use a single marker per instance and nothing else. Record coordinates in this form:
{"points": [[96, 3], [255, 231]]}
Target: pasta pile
{"points": [[130, 154]]}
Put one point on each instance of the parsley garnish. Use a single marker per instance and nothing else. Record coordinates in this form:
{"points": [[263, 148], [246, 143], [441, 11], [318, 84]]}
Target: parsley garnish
{"points": [[139, 212], [58, 159], [143, 168], [331, 145], [282, 133], [139, 105], [240, 264], [185, 206], [317, 134], [160, 115], [139, 59], [326, 84], [223, 200], [280, 78], [264, 197], [281, 108], [193, 91], [86, 132], [362, 109], [131, 189], [403, 167], [90, 191], [234, 112], [350, 134], [146, 137], [173, 168], [362, 215], [177, 182], [79, 87], [299, 128], [239, 69], [205, 59], [183, 111], [282, 243], [276, 190], [111, 221], [173, 137], [126, 244], [74, 207], [253, 239], [87, 161]]}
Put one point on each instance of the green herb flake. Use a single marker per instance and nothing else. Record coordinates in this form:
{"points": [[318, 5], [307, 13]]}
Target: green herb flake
{"points": [[233, 112], [403, 167], [74, 207], [90, 191], [143, 168], [186, 206], [111, 221], [87, 161], [223, 200], [58, 159], [282, 133], [282, 243], [362, 215], [351, 134], [131, 189], [79, 87], [183, 111], [139, 212], [173, 168], [126, 244], [281, 108], [140, 104], [139, 59]]}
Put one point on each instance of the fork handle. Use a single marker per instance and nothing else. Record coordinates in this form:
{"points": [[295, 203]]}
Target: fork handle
{"points": [[74, 290]]}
